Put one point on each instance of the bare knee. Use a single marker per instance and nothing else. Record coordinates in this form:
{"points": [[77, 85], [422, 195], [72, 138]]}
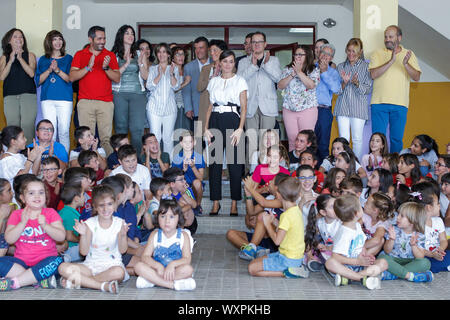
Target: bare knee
{"points": [[117, 273]]}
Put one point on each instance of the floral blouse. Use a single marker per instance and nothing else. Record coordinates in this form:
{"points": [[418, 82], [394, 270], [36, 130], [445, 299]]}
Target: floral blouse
{"points": [[296, 97]]}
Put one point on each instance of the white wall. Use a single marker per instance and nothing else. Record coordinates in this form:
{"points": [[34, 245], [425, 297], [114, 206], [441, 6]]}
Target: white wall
{"points": [[112, 16], [7, 16]]}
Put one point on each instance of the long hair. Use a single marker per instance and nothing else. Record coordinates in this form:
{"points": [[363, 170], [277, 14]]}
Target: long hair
{"points": [[151, 58], [385, 150], [410, 159], [358, 45], [48, 47], [308, 66], [427, 142], [312, 237], [6, 46], [386, 180], [118, 47]]}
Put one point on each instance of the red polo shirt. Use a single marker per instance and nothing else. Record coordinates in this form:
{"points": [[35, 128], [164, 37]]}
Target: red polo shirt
{"points": [[95, 85]]}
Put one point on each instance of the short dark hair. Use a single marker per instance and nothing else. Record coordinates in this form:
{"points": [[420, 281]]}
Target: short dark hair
{"points": [[311, 152], [50, 160], [75, 174], [446, 158], [146, 136], [222, 45], [79, 132], [165, 206], [125, 151], [85, 156], [325, 41], [158, 184], [225, 54], [92, 31], [446, 178], [249, 35], [115, 183], [353, 182], [202, 39], [116, 138], [260, 33], [69, 192], [43, 121], [304, 167], [172, 173]]}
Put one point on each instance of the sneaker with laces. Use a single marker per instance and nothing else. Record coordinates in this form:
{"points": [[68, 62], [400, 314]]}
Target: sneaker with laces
{"points": [[371, 282], [6, 284], [423, 276], [386, 275], [184, 284], [314, 265], [248, 252], [296, 272], [142, 283], [49, 283], [261, 252], [340, 281]]}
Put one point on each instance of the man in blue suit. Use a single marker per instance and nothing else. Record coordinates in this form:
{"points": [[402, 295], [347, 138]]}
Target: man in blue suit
{"points": [[191, 96]]}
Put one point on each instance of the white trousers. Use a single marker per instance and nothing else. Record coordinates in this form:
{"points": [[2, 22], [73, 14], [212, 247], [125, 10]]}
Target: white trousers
{"points": [[357, 129], [166, 132], [60, 115]]}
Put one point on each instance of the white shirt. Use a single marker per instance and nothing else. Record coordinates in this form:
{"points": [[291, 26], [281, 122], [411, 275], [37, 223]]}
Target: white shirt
{"points": [[141, 176], [222, 91], [443, 201], [328, 230], [432, 233], [74, 154], [349, 242]]}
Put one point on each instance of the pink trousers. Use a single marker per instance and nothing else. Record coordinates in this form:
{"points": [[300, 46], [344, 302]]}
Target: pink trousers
{"points": [[298, 121]]}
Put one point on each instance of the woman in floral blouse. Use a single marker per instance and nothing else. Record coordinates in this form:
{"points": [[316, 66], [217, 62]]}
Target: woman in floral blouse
{"points": [[298, 82]]}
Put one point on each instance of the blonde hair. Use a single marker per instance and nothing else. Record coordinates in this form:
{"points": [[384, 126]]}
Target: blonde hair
{"points": [[358, 45], [416, 214]]}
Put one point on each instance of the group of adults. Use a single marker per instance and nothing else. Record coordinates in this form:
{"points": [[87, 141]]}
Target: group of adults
{"points": [[128, 87]]}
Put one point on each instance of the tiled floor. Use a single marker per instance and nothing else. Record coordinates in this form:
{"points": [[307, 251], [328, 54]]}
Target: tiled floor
{"points": [[221, 275]]}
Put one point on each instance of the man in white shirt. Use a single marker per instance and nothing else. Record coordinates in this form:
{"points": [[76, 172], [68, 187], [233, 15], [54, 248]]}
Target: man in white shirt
{"points": [[128, 165]]}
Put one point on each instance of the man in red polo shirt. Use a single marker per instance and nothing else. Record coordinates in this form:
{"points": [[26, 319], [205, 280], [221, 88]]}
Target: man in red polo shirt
{"points": [[95, 68]]}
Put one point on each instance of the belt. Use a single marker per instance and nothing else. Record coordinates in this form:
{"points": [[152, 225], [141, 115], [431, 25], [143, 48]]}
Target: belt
{"points": [[226, 108], [324, 106]]}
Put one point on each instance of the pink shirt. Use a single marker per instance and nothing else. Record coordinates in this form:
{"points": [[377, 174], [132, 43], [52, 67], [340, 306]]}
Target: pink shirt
{"points": [[262, 173], [34, 244]]}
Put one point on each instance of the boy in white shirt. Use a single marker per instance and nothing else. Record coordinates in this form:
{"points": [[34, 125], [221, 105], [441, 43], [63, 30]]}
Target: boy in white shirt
{"points": [[86, 141], [129, 165], [349, 255]]}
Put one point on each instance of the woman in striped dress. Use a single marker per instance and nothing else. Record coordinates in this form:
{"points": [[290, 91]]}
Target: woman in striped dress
{"points": [[352, 105]]}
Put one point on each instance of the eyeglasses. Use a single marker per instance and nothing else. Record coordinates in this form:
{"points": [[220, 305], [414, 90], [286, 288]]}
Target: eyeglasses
{"points": [[258, 42], [49, 170], [299, 54], [438, 164], [326, 53], [182, 179], [46, 129], [306, 178], [179, 54]]}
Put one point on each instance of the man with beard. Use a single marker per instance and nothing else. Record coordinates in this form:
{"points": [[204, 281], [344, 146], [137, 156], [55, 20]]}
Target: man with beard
{"points": [[392, 69], [95, 68]]}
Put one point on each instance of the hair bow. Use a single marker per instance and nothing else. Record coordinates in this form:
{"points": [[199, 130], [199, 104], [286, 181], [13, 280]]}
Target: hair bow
{"points": [[416, 194], [166, 197]]}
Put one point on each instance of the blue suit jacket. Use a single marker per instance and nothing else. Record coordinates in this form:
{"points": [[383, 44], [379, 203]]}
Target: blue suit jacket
{"points": [[191, 96]]}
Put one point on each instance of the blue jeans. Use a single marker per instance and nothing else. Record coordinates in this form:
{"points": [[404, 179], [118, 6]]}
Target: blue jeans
{"points": [[438, 266], [323, 133], [394, 115]]}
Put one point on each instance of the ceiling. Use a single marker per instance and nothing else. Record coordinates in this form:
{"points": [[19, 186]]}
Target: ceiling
{"points": [[338, 2]]}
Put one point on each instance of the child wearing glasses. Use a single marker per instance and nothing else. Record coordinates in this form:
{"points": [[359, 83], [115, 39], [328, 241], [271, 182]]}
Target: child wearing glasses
{"points": [[50, 171]]}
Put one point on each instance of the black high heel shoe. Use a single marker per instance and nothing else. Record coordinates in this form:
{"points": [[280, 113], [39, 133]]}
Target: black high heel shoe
{"points": [[234, 214], [215, 213]]}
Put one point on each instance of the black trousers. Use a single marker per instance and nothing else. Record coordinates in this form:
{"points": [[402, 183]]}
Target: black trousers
{"points": [[235, 163]]}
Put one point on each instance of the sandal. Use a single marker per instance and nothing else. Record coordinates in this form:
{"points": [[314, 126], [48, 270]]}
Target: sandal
{"points": [[69, 284], [110, 287]]}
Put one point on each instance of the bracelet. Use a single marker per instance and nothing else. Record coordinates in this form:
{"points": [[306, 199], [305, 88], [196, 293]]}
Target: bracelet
{"points": [[30, 161], [248, 198], [88, 69], [57, 72]]}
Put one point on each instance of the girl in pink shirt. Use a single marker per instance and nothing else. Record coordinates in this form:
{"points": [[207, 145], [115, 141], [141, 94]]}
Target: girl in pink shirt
{"points": [[34, 231]]}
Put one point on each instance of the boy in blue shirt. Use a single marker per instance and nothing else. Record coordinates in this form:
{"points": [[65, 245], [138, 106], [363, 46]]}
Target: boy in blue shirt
{"points": [[193, 166], [116, 142], [184, 195]]}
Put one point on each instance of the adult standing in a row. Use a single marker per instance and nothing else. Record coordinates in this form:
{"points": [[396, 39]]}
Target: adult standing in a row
{"points": [[299, 80], [17, 69], [392, 69], [191, 96], [352, 105], [261, 72], [95, 68], [52, 74], [129, 94], [163, 80]]}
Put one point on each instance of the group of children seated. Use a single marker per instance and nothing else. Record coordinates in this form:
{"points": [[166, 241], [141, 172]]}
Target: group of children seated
{"points": [[92, 221], [385, 217]]}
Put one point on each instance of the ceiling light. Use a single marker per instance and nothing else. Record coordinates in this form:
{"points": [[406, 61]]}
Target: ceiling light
{"points": [[301, 30]]}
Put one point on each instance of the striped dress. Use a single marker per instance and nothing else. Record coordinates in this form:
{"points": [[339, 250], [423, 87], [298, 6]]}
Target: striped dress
{"points": [[353, 101]]}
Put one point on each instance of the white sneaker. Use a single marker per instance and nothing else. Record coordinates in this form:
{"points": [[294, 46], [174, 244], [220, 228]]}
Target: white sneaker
{"points": [[184, 284], [142, 283], [372, 283]]}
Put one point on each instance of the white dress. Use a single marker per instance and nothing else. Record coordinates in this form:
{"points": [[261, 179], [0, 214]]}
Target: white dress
{"points": [[104, 251]]}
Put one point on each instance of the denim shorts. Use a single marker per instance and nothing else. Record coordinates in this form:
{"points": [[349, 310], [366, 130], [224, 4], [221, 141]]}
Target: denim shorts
{"points": [[278, 262], [3, 243], [351, 267]]}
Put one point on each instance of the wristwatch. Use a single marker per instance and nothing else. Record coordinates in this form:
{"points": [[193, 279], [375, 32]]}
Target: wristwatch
{"points": [[106, 69]]}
